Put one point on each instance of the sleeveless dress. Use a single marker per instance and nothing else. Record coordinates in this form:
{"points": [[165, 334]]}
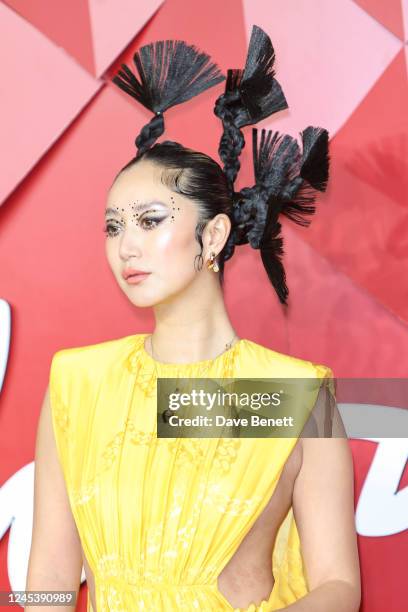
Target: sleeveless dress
{"points": [[159, 518]]}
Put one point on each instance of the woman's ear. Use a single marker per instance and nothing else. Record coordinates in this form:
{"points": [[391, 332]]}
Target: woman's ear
{"points": [[216, 232]]}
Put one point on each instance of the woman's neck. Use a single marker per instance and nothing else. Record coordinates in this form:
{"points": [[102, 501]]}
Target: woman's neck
{"points": [[191, 332]]}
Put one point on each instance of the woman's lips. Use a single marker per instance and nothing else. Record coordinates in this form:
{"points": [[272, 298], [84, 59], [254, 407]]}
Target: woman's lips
{"points": [[134, 279]]}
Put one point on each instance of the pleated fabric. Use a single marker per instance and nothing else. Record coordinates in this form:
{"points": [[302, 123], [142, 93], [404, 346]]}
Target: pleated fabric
{"points": [[159, 518]]}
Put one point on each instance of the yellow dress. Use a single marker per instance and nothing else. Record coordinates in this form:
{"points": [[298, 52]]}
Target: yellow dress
{"points": [[159, 518]]}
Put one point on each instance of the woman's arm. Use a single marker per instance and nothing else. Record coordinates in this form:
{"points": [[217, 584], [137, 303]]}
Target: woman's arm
{"points": [[323, 507], [55, 562]]}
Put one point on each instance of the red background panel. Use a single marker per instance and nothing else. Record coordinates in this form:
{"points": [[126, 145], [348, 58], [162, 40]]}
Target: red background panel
{"points": [[365, 221], [66, 23], [388, 13]]}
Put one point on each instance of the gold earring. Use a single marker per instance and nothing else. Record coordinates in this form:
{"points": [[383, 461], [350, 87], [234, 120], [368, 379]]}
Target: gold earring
{"points": [[212, 263]]}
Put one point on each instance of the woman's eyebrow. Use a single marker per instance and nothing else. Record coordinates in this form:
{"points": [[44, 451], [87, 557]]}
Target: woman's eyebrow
{"points": [[142, 206]]}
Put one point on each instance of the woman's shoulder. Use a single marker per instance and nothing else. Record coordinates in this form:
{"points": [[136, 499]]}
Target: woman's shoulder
{"points": [[267, 360], [102, 353]]}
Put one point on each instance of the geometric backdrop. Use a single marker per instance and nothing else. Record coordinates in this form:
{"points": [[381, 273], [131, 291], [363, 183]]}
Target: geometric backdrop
{"points": [[66, 130]]}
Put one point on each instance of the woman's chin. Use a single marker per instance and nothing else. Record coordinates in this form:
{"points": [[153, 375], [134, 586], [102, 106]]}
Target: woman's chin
{"points": [[145, 297], [142, 299], [138, 294]]}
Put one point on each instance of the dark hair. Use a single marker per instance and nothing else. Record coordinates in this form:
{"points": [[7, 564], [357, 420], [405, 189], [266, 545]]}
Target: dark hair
{"points": [[286, 178], [198, 177]]}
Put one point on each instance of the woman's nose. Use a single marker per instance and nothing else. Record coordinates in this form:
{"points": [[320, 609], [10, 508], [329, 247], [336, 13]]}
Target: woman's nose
{"points": [[130, 243]]}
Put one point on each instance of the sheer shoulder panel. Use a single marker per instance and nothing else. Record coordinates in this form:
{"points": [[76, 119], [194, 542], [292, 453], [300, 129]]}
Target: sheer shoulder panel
{"points": [[325, 420]]}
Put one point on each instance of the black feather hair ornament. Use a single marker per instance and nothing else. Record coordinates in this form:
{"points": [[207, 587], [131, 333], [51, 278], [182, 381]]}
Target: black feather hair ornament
{"points": [[259, 90], [251, 94], [286, 182], [170, 72], [286, 178]]}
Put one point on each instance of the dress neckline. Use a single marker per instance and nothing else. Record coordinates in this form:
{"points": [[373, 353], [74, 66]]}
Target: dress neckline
{"points": [[168, 365]]}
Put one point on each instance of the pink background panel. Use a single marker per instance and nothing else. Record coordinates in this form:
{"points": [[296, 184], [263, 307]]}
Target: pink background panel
{"points": [[220, 33], [92, 31], [65, 23], [114, 24], [405, 17], [43, 90], [363, 229], [322, 84]]}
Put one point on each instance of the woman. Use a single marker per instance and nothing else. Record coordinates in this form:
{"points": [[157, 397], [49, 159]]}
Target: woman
{"points": [[211, 523]]}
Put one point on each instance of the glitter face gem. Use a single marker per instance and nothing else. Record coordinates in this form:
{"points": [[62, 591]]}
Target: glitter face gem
{"points": [[139, 218]]}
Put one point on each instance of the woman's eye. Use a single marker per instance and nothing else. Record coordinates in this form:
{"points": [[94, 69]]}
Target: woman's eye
{"points": [[152, 222], [147, 223], [111, 230]]}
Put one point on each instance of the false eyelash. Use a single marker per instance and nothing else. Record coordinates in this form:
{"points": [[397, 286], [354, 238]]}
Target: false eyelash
{"points": [[156, 219], [106, 229], [109, 233]]}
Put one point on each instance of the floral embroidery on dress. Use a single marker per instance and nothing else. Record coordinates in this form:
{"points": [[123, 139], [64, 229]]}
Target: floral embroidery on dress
{"points": [[140, 437], [112, 450], [112, 566], [225, 504], [226, 454], [60, 411], [111, 599], [84, 494], [194, 497], [146, 378], [188, 452], [147, 374]]}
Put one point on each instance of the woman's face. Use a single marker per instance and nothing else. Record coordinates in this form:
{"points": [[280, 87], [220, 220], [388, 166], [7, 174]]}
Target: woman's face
{"points": [[151, 229]]}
